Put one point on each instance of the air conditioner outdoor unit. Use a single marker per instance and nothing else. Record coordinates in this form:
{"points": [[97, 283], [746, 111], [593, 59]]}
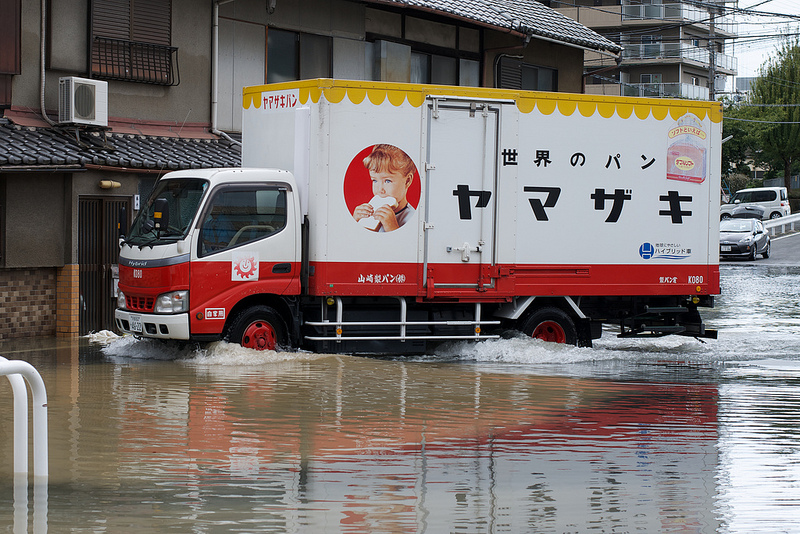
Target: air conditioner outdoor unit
{"points": [[82, 101]]}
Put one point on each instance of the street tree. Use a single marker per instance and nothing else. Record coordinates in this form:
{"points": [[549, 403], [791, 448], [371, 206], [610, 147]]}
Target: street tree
{"points": [[775, 95]]}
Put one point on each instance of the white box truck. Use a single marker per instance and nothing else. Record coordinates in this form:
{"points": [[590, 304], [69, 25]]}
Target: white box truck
{"points": [[377, 217]]}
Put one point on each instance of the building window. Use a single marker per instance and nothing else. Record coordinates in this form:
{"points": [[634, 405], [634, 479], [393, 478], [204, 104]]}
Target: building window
{"points": [[131, 41], [695, 80], [513, 73], [297, 56], [650, 78], [435, 69]]}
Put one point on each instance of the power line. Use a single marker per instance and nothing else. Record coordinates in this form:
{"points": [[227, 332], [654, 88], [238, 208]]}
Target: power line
{"points": [[749, 105], [760, 122]]}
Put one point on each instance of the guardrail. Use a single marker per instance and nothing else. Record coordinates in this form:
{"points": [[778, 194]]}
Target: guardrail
{"points": [[783, 225]]}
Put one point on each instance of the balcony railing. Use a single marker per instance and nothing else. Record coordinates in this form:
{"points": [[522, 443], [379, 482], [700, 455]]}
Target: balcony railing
{"points": [[662, 90], [677, 51], [676, 11]]}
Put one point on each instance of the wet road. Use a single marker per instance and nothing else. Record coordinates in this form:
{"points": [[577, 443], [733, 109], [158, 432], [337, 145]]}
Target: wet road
{"points": [[659, 435]]}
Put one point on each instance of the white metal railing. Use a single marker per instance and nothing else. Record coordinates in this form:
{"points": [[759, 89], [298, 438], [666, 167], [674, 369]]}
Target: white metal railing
{"points": [[660, 90], [677, 51], [781, 225], [15, 371], [18, 373], [676, 11]]}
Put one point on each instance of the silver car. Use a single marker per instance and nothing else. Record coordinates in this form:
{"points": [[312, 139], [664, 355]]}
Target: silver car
{"points": [[743, 238]]}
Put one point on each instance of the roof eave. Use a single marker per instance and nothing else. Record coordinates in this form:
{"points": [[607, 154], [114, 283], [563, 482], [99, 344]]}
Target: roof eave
{"points": [[520, 31]]}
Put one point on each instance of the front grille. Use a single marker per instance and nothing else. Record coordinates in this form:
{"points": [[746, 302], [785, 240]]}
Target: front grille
{"points": [[140, 304]]}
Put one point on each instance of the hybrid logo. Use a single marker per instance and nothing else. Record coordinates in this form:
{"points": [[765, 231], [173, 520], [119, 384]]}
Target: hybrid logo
{"points": [[646, 251], [664, 251]]}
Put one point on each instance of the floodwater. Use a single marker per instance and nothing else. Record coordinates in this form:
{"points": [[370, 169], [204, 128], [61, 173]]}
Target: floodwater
{"points": [[515, 435]]}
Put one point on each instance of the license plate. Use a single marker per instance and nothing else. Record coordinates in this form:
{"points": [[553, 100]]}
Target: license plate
{"points": [[725, 248], [136, 323]]}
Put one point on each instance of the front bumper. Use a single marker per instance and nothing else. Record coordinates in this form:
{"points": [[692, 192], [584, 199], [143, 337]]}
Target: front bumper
{"points": [[734, 250], [154, 325]]}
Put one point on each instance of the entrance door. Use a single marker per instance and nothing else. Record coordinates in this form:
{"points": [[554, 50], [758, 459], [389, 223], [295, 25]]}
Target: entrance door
{"points": [[460, 194], [98, 254]]}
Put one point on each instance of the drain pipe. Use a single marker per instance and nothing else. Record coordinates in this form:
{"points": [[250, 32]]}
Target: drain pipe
{"points": [[215, 72], [43, 18]]}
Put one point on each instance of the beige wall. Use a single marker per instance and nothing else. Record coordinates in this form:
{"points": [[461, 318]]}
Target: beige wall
{"points": [[595, 17], [242, 60], [191, 33], [567, 60]]}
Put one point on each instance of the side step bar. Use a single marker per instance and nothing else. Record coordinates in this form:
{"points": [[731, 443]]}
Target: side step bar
{"points": [[340, 326]]}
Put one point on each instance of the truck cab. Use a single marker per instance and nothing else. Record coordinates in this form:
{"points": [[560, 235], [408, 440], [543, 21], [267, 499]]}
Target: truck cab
{"points": [[201, 236]]}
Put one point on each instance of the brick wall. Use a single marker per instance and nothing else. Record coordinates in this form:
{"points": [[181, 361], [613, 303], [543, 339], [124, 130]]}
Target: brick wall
{"points": [[27, 302]]}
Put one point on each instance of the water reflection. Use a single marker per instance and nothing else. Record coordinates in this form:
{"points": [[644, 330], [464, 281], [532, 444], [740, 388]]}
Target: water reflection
{"points": [[661, 435], [760, 446], [233, 439]]}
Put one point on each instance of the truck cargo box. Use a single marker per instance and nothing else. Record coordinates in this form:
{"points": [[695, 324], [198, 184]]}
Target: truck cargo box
{"points": [[508, 193]]}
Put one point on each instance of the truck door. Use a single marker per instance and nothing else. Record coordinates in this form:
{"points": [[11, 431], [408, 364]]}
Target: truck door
{"points": [[460, 207]]}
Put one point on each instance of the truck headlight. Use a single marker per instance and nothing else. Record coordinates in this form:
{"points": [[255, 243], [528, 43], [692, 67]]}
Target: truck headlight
{"points": [[120, 300], [172, 302]]}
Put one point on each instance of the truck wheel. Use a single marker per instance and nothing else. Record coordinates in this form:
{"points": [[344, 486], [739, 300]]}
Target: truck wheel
{"points": [[551, 324], [259, 327]]}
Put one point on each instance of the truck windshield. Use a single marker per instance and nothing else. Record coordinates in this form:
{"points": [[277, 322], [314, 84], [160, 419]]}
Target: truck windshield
{"points": [[183, 196]]}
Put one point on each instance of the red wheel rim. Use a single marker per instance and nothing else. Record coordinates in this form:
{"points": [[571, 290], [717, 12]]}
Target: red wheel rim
{"points": [[260, 336], [550, 331]]}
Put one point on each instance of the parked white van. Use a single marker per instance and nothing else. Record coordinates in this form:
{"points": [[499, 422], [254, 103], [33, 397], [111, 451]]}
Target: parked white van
{"points": [[774, 200]]}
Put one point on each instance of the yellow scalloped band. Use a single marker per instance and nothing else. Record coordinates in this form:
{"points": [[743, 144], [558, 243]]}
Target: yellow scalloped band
{"points": [[546, 103]]}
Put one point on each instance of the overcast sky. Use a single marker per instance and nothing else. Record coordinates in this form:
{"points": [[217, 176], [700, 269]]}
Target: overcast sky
{"points": [[762, 35]]}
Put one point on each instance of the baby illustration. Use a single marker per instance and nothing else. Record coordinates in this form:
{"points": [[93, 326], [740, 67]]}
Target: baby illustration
{"points": [[392, 172]]}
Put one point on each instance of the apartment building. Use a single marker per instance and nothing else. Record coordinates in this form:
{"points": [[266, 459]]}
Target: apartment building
{"points": [[670, 48]]}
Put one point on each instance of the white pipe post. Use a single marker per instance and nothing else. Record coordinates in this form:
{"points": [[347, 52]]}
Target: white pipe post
{"points": [[20, 393], [39, 395]]}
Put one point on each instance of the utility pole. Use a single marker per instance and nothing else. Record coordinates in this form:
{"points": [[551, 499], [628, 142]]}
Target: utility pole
{"points": [[712, 56]]}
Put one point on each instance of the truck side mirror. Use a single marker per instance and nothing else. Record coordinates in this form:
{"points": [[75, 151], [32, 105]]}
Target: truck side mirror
{"points": [[160, 214], [122, 222]]}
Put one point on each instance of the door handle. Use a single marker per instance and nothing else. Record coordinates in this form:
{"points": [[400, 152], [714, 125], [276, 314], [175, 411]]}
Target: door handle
{"points": [[465, 249]]}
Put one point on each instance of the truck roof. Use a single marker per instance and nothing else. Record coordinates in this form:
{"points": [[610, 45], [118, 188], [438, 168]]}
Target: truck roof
{"points": [[236, 174]]}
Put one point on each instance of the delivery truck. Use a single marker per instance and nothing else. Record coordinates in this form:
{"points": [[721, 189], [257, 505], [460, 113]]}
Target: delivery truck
{"points": [[384, 218]]}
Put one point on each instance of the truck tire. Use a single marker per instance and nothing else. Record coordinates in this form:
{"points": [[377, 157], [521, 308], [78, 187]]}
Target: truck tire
{"points": [[259, 328], [551, 324]]}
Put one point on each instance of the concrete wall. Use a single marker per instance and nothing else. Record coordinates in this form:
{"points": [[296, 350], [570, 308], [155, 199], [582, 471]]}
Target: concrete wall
{"points": [[35, 219]]}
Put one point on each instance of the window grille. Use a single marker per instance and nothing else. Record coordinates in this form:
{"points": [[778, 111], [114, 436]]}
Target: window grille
{"points": [[118, 59]]}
